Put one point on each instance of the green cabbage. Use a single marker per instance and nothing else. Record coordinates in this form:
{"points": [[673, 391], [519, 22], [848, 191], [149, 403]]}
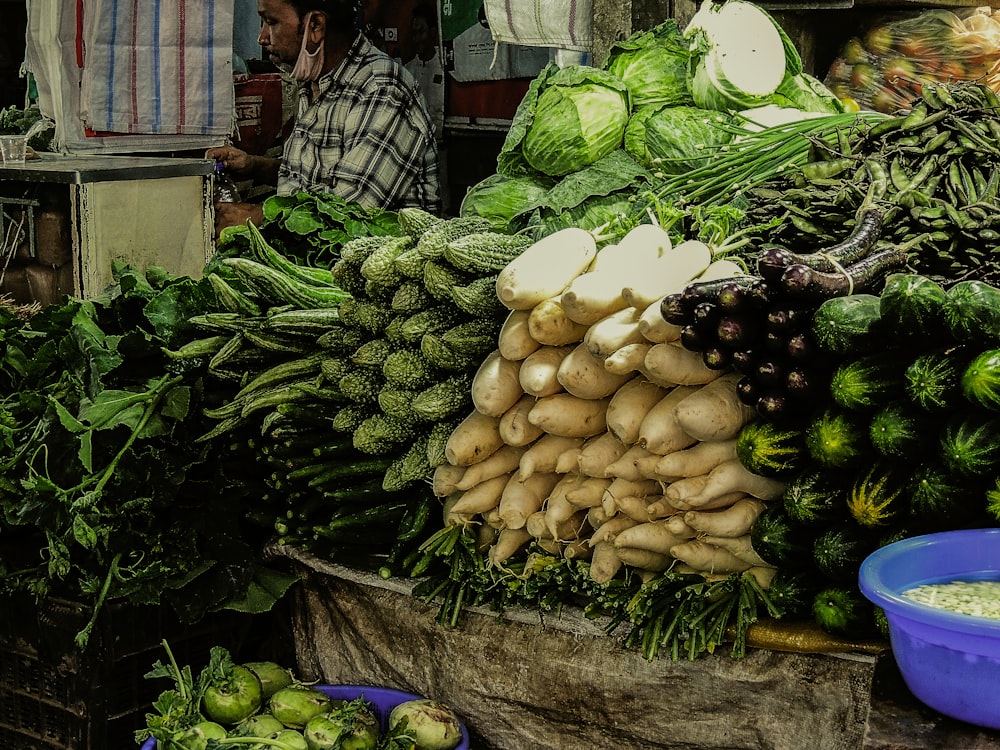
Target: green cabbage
{"points": [[807, 93], [570, 118], [653, 64], [504, 201], [675, 140]]}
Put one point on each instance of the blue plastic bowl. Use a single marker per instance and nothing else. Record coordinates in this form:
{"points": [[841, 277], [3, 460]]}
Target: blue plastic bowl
{"points": [[950, 661], [382, 699]]}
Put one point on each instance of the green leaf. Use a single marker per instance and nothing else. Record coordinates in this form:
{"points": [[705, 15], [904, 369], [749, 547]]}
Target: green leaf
{"points": [[114, 407], [84, 533], [177, 403], [264, 590], [303, 220], [277, 206], [70, 423]]}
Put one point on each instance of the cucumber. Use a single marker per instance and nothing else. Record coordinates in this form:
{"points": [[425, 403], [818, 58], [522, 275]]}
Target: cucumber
{"points": [[769, 450], [839, 550], [972, 312], [980, 382], [877, 497], [842, 610], [792, 592], [836, 438], [867, 382], [850, 324], [813, 497], [777, 539], [913, 305], [970, 444], [899, 430], [933, 380], [940, 499]]}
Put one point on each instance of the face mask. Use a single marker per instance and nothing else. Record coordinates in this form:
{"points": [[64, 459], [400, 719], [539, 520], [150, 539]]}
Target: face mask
{"points": [[309, 65]]}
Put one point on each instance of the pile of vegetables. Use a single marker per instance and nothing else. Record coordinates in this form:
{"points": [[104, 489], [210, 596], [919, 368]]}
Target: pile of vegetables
{"points": [[262, 704]]}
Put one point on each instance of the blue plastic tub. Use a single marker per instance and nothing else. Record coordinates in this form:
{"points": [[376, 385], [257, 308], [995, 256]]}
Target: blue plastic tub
{"points": [[382, 699], [950, 661]]}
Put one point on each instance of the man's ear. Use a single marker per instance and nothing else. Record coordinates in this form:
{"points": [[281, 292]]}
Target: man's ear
{"points": [[315, 27]]}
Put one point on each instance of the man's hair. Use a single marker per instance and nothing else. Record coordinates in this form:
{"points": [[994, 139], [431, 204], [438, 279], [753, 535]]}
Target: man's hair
{"points": [[428, 13], [343, 15]]}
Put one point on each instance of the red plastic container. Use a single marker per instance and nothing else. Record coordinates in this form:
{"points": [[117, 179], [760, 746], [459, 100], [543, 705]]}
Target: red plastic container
{"points": [[383, 700]]}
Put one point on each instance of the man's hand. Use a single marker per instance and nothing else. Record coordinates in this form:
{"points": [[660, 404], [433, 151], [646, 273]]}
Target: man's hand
{"points": [[235, 161], [235, 214]]}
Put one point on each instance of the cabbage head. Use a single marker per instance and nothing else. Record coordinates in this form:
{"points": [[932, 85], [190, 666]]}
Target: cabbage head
{"points": [[654, 65], [579, 116], [504, 201], [675, 140]]}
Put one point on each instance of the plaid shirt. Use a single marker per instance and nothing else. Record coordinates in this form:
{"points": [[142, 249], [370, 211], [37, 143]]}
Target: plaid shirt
{"points": [[366, 137]]}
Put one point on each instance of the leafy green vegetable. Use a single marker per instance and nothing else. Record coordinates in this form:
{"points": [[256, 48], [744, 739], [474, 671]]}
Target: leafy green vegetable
{"points": [[504, 201], [653, 64], [677, 139]]}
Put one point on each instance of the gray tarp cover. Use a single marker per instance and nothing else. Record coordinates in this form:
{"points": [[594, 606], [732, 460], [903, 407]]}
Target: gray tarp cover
{"points": [[565, 685]]}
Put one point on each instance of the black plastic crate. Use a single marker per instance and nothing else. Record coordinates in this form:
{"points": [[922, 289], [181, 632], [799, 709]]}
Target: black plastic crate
{"points": [[55, 696]]}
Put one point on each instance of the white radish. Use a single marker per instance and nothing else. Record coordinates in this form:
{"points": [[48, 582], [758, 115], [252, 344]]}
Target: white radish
{"points": [[654, 536], [739, 546], [539, 371], [545, 268], [654, 327], [734, 521], [659, 431], [627, 360], [644, 559], [450, 517], [445, 478], [515, 429], [486, 536], [629, 406], [588, 493], [543, 454], [627, 467], [596, 516], [598, 453], [569, 459], [476, 437], [585, 376], [699, 459], [675, 268], [570, 416], [514, 340], [496, 386], [672, 363], [592, 296], [548, 324], [500, 462], [714, 411], [483, 497], [679, 527], [518, 500], [492, 518], [607, 531], [558, 511], [578, 549], [508, 542], [732, 476], [635, 507], [725, 500], [604, 563], [535, 525], [550, 546], [708, 557], [612, 332]]}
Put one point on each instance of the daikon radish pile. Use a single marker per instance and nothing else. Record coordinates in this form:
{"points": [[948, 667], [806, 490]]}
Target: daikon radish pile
{"points": [[595, 434]]}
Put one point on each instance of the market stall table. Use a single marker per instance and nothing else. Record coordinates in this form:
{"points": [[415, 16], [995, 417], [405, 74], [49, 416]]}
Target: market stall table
{"points": [[558, 681]]}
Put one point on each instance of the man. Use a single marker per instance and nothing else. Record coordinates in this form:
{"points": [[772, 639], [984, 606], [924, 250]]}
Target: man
{"points": [[362, 131], [425, 65]]}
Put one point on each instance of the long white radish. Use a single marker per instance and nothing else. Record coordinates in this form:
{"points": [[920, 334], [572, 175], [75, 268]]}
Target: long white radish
{"points": [[535, 525], [604, 563], [558, 511], [629, 406], [673, 271], [569, 459], [623, 487], [508, 542], [514, 340], [545, 268], [708, 557], [678, 526], [660, 507], [486, 536], [672, 363], [543, 454], [635, 507], [539, 370], [714, 411], [518, 500], [548, 324], [642, 244], [699, 459], [593, 295], [725, 500], [445, 478], [515, 429], [578, 549], [732, 476], [596, 516], [723, 268], [740, 546], [659, 431], [607, 531], [598, 453], [627, 467], [588, 493], [654, 327], [570, 416], [585, 376], [550, 546], [644, 559], [734, 521], [449, 516], [476, 437], [502, 461], [496, 386], [654, 536], [612, 332], [570, 529], [484, 497], [628, 360], [492, 518]]}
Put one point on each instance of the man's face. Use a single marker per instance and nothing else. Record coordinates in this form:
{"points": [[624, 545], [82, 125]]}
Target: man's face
{"points": [[280, 31]]}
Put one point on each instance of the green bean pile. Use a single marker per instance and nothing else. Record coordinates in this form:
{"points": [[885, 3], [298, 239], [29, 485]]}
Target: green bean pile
{"points": [[935, 171]]}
